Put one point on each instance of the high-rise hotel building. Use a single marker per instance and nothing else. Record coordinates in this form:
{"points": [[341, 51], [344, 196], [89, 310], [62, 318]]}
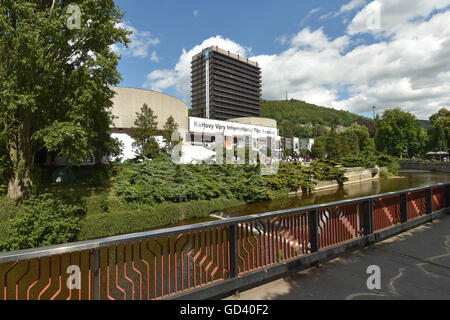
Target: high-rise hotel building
{"points": [[225, 85]]}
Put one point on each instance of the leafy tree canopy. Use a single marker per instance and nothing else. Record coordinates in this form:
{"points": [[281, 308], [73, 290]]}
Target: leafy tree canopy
{"points": [[55, 91], [439, 131], [399, 133]]}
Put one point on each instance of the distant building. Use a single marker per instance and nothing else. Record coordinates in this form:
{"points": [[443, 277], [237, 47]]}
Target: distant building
{"points": [[225, 85], [306, 144]]}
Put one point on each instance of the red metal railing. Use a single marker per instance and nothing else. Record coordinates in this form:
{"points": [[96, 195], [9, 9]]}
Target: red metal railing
{"points": [[164, 263], [416, 204], [386, 212], [265, 242], [438, 198], [146, 269], [339, 224]]}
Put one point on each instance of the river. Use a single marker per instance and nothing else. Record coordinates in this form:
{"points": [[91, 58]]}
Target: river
{"points": [[405, 180]]}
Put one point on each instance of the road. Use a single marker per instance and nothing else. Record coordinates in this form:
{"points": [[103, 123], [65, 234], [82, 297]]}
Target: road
{"points": [[413, 265]]}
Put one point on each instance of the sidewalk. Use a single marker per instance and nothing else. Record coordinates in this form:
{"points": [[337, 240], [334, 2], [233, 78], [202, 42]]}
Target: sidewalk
{"points": [[414, 265]]}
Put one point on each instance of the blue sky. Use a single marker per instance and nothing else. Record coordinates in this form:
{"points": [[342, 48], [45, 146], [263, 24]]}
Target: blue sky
{"points": [[338, 54]]}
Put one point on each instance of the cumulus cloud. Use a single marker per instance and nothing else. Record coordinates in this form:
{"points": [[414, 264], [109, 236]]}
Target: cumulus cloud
{"points": [[141, 41], [393, 14], [408, 69], [348, 7]]}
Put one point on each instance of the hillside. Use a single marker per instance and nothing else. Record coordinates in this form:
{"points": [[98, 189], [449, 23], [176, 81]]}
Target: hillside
{"points": [[294, 117], [425, 124]]}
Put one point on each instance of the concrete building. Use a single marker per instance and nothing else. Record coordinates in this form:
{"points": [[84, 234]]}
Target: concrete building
{"points": [[129, 101], [197, 131], [225, 85], [306, 144]]}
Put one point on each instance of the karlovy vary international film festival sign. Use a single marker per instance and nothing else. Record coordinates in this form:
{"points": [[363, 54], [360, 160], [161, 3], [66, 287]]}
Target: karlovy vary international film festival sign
{"points": [[229, 129]]}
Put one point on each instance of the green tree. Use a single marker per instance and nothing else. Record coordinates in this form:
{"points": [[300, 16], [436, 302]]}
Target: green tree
{"points": [[399, 132], [54, 89], [439, 131], [369, 124], [146, 127], [169, 128], [440, 114], [333, 145], [318, 148], [359, 135]]}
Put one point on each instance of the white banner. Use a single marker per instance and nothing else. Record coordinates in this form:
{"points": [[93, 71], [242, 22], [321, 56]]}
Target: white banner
{"points": [[229, 129]]}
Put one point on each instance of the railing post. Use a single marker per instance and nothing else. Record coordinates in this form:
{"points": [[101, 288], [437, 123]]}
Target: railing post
{"points": [[447, 196], [429, 200], [234, 259], [96, 274], [314, 230], [403, 207], [367, 207]]}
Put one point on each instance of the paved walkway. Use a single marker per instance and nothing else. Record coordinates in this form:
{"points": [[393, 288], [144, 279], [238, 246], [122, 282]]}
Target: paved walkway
{"points": [[414, 265]]}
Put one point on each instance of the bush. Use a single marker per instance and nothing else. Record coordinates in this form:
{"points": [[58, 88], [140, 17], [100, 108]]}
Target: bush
{"points": [[147, 218], [44, 221], [328, 170], [359, 160], [389, 162], [291, 176], [100, 175], [160, 180]]}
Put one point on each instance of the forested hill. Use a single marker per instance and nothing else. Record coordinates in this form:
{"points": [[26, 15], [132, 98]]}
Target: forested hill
{"points": [[292, 114]]}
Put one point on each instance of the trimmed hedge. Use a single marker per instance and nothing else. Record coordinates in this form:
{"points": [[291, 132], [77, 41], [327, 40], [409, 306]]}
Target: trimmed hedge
{"points": [[107, 224]]}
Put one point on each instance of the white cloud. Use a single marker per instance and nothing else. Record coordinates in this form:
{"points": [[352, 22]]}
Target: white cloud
{"points": [[312, 12], [282, 39], [409, 69], [352, 5], [141, 41], [348, 7], [195, 13], [154, 57], [394, 14]]}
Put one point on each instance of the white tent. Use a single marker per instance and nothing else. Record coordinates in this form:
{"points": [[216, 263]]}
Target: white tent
{"points": [[128, 152], [195, 154]]}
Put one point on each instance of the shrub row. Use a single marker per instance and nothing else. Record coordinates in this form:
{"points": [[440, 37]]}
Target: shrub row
{"points": [[147, 218]]}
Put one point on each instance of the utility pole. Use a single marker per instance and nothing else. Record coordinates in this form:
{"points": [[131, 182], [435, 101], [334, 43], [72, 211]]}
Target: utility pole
{"points": [[374, 123]]}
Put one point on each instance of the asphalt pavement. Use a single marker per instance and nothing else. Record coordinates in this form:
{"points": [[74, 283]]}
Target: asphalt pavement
{"points": [[413, 265]]}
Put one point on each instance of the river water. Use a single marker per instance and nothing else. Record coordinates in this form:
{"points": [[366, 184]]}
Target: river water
{"points": [[405, 180]]}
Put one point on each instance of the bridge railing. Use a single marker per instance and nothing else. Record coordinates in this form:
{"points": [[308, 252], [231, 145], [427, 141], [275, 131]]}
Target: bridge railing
{"points": [[167, 262]]}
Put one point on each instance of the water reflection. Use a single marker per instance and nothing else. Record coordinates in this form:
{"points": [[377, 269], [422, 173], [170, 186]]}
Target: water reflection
{"points": [[407, 179]]}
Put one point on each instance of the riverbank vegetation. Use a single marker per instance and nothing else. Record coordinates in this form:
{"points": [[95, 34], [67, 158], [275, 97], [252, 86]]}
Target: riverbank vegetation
{"points": [[136, 196]]}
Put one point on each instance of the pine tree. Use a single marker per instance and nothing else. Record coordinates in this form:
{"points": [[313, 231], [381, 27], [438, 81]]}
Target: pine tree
{"points": [[169, 128], [143, 133]]}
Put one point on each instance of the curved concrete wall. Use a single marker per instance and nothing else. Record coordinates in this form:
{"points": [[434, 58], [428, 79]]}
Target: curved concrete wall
{"points": [[265, 122], [128, 101]]}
